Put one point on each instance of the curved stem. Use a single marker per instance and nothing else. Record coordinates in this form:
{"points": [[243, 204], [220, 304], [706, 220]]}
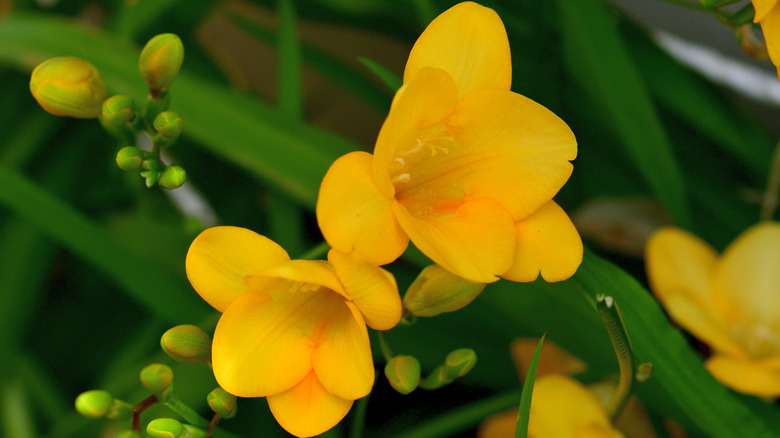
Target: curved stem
{"points": [[610, 315]]}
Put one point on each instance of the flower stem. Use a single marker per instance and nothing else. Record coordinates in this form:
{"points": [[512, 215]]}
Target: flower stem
{"points": [[387, 352], [212, 425], [186, 412], [610, 315], [140, 407], [359, 418]]}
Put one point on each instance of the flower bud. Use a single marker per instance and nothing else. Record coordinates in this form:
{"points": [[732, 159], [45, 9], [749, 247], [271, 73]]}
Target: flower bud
{"points": [[186, 343], [169, 125], [129, 158], [118, 110], [173, 177], [460, 362], [158, 378], [151, 177], [164, 428], [129, 434], [94, 404], [403, 373], [437, 290], [68, 86], [160, 61], [222, 403]]}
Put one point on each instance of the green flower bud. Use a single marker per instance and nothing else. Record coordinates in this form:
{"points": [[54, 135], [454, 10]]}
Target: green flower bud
{"points": [[165, 428], [160, 61], [173, 177], [94, 404], [222, 403], [129, 158], [186, 343], [152, 164], [460, 362], [437, 290], [129, 434], [158, 378], [68, 86], [118, 110], [151, 177], [403, 373], [169, 125]]}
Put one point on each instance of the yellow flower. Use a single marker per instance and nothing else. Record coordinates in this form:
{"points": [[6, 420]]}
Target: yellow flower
{"points": [[462, 166], [731, 302], [768, 15], [293, 331], [68, 86]]}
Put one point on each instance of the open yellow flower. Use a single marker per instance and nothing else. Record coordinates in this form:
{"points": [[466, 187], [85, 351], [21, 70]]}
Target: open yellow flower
{"points": [[731, 302], [293, 331], [768, 15], [462, 166]]}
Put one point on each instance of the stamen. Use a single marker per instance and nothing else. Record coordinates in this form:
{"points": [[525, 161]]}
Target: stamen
{"points": [[404, 177]]}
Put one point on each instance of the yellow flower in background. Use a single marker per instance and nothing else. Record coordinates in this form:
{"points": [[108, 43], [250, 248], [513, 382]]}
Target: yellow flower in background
{"points": [[731, 301], [768, 15], [462, 166], [68, 86], [293, 331]]}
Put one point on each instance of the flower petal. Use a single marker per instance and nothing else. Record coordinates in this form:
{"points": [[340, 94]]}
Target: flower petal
{"points": [[371, 288], [343, 361], [770, 26], [561, 406], [690, 316], [469, 42], [263, 343], [547, 243], [425, 101], [506, 147], [353, 216], [308, 409], [744, 376], [220, 257], [300, 272], [762, 8], [474, 240], [747, 277]]}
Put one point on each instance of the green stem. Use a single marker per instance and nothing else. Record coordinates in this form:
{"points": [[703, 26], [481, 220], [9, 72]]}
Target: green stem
{"points": [[610, 315], [186, 412], [384, 346], [359, 418]]}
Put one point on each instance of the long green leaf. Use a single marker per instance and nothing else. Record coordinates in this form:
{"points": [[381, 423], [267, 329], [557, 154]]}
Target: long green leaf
{"points": [[524, 410], [597, 58]]}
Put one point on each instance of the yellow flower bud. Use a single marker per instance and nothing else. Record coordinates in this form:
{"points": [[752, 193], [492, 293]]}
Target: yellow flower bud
{"points": [[164, 428], [222, 403], [437, 290], [160, 61], [173, 177], [94, 404], [158, 378], [68, 86], [129, 158], [460, 362], [118, 110], [403, 373], [187, 343], [169, 125]]}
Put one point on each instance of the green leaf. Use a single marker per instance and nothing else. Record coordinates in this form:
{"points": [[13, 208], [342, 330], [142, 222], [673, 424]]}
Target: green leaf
{"points": [[524, 410], [596, 57], [392, 80]]}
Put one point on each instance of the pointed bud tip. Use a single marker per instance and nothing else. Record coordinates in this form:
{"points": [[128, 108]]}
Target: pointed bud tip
{"points": [[68, 86], [94, 404], [403, 373], [436, 291], [160, 61]]}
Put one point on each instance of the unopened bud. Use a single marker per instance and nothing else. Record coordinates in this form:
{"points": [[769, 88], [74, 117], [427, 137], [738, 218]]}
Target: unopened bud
{"points": [[158, 378], [94, 404], [437, 290], [169, 125], [151, 177], [129, 433], [222, 403], [118, 110], [160, 61], [68, 86], [187, 343], [129, 158], [164, 428], [460, 362], [173, 177], [403, 373]]}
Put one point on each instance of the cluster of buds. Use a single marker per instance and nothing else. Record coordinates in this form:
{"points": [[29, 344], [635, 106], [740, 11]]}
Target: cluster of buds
{"points": [[72, 87], [403, 372]]}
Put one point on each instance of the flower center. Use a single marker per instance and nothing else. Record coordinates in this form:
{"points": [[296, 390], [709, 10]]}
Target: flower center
{"points": [[302, 286], [411, 163], [759, 340]]}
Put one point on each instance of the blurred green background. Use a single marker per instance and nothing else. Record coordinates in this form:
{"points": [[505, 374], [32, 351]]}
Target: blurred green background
{"points": [[92, 262]]}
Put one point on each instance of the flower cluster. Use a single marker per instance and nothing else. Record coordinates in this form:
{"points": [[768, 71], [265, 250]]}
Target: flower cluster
{"points": [[462, 167]]}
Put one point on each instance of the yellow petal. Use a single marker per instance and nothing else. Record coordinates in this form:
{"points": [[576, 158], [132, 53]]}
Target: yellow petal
{"points": [[762, 8], [770, 26], [501, 425], [547, 243], [690, 316], [304, 274], [352, 214], [553, 360], [220, 257], [469, 42], [744, 376], [561, 407], [424, 102], [437, 290], [308, 409], [506, 147], [343, 361], [371, 288], [263, 343], [747, 277], [474, 240]]}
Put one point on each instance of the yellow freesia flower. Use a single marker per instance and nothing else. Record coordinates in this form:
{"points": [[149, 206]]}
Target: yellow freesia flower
{"points": [[462, 166], [768, 15], [293, 331], [731, 302]]}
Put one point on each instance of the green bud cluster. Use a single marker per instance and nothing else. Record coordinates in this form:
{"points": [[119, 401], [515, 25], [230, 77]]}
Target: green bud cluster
{"points": [[222, 403], [457, 364], [403, 373]]}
